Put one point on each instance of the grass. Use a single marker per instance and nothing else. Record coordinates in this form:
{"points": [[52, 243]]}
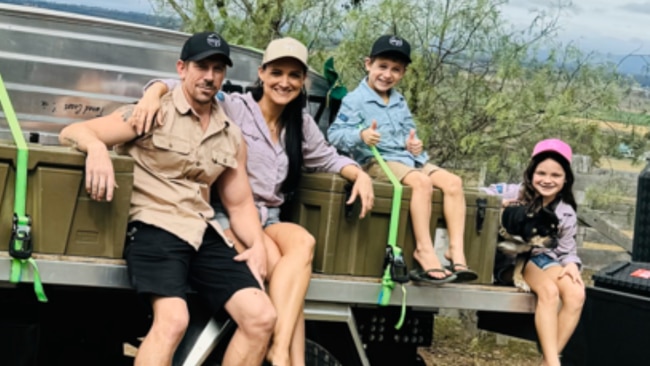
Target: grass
{"points": [[632, 118], [454, 345]]}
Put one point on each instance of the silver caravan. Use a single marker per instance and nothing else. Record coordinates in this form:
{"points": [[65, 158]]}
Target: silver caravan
{"points": [[59, 68]]}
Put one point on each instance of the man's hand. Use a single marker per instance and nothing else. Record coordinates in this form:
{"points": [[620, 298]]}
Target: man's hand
{"points": [[363, 189], [100, 177], [255, 258], [571, 270], [145, 113], [413, 144], [370, 135]]}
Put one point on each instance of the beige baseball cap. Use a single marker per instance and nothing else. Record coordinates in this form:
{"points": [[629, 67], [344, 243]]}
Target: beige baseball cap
{"points": [[285, 47]]}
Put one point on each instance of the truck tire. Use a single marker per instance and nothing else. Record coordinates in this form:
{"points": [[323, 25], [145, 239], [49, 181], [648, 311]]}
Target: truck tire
{"points": [[317, 355]]}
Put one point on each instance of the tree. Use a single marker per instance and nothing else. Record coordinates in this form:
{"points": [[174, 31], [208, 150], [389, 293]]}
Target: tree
{"points": [[256, 22], [481, 91]]}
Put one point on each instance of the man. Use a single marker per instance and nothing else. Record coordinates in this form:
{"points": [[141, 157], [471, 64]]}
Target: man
{"points": [[173, 240]]}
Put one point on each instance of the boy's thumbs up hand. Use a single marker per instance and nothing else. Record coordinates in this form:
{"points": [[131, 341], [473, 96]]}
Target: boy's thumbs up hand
{"points": [[413, 144], [370, 135]]}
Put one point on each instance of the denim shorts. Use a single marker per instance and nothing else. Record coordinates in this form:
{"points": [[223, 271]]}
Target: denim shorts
{"points": [[544, 261], [221, 216]]}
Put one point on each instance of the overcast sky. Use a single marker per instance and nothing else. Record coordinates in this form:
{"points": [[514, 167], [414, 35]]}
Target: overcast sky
{"points": [[609, 26]]}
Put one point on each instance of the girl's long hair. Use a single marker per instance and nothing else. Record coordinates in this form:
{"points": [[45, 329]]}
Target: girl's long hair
{"points": [[529, 195], [291, 120]]}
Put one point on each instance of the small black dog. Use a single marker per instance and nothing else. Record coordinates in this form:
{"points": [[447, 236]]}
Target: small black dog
{"points": [[522, 230]]}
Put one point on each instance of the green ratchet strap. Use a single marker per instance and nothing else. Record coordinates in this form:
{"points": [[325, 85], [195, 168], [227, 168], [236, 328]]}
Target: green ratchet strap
{"points": [[20, 244], [395, 267]]}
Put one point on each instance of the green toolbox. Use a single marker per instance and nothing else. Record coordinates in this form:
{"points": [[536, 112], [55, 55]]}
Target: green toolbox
{"points": [[65, 220], [348, 245]]}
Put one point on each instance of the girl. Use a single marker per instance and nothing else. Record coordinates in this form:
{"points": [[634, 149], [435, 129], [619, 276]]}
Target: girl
{"points": [[553, 274], [282, 139]]}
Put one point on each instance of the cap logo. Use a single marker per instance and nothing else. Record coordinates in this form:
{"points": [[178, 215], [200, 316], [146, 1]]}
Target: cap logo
{"points": [[214, 40], [396, 41]]}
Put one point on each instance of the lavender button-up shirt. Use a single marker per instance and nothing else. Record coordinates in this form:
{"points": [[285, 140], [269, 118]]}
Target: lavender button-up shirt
{"points": [[268, 163], [567, 249]]}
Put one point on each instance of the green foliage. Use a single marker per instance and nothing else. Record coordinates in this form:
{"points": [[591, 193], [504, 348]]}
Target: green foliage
{"points": [[603, 196], [256, 22], [478, 89]]}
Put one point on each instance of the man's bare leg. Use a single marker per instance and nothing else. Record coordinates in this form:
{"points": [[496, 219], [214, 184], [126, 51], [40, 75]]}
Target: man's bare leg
{"points": [[170, 320], [255, 316]]}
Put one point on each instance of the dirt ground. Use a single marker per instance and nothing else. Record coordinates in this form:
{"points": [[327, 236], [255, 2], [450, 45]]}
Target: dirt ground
{"points": [[453, 347]]}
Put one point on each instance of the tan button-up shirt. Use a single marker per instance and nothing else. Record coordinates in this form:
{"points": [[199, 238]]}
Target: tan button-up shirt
{"points": [[175, 165]]}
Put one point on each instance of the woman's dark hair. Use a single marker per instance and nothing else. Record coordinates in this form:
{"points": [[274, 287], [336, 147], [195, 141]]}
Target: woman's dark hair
{"points": [[291, 121], [528, 193]]}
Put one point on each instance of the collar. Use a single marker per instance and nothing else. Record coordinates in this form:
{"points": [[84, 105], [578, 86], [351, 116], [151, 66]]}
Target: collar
{"points": [[393, 98], [218, 119]]}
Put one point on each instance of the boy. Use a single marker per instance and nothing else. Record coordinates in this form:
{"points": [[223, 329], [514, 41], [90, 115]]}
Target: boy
{"points": [[374, 114]]}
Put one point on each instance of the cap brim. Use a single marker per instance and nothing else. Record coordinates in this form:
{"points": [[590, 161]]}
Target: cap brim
{"points": [[265, 62], [397, 54], [206, 54]]}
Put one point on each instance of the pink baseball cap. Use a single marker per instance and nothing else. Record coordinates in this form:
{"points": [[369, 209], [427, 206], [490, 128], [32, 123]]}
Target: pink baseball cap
{"points": [[554, 145]]}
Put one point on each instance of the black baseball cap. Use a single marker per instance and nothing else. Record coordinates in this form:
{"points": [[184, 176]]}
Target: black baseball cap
{"points": [[389, 44], [203, 45]]}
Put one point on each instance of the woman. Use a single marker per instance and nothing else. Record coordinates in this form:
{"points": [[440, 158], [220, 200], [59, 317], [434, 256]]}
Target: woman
{"points": [[282, 139], [553, 274]]}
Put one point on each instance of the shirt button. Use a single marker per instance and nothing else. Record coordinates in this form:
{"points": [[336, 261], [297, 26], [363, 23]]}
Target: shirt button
{"points": [[198, 163]]}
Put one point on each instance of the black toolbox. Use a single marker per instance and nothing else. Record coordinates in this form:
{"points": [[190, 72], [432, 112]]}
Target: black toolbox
{"points": [[628, 277]]}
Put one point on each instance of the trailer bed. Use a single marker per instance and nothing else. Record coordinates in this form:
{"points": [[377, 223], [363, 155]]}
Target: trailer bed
{"points": [[111, 273]]}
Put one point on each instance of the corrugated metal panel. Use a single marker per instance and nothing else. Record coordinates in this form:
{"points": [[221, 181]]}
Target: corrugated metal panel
{"points": [[60, 67]]}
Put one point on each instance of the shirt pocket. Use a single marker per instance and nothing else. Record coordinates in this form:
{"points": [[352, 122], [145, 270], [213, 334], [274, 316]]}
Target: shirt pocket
{"points": [[220, 160], [167, 155]]}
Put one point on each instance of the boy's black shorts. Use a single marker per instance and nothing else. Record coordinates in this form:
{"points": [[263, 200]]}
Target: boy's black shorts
{"points": [[160, 263]]}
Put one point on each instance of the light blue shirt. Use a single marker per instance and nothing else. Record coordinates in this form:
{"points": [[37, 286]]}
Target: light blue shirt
{"points": [[394, 122]]}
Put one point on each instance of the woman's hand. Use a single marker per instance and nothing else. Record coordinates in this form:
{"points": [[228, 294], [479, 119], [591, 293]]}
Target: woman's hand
{"points": [[363, 189], [145, 112]]}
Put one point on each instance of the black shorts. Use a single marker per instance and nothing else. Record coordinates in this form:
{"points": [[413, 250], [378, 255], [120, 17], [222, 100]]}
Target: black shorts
{"points": [[161, 264]]}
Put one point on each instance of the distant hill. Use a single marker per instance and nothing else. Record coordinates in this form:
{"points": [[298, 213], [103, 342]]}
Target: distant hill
{"points": [[125, 16]]}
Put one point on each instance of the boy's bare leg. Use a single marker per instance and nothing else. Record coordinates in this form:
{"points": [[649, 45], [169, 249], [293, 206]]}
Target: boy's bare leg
{"points": [[255, 316], [454, 208], [420, 207], [170, 320]]}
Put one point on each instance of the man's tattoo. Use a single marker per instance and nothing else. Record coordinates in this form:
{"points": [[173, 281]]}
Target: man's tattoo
{"points": [[126, 111]]}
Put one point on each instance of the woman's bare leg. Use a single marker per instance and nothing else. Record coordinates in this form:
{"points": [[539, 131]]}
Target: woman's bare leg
{"points": [[297, 352], [288, 286]]}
